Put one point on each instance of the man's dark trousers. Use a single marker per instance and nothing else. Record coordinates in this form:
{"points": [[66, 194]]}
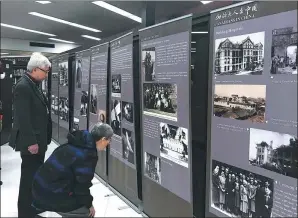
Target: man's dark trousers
{"points": [[30, 165]]}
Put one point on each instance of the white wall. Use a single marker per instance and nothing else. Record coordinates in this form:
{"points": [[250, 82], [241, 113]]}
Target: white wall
{"points": [[24, 45]]}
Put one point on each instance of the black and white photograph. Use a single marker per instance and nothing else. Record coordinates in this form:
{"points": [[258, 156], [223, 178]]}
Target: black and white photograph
{"points": [[128, 146], [63, 74], [240, 55], [239, 193], [160, 100], [55, 105], [79, 74], [174, 144], [284, 51], [148, 64], [274, 151], [127, 111], [76, 122], [116, 86], [64, 109], [116, 117], [240, 102], [102, 117], [93, 100], [152, 167], [84, 103]]}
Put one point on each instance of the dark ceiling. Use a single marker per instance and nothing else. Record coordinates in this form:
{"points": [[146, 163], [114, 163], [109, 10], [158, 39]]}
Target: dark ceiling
{"points": [[81, 12]]}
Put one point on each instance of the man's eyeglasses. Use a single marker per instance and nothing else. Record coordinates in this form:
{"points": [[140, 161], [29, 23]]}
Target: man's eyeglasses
{"points": [[45, 71]]}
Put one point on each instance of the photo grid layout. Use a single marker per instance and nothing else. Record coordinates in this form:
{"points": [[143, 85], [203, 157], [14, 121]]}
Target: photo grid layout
{"points": [[174, 144], [239, 193], [240, 102], [79, 74], [128, 146], [284, 51], [93, 100], [240, 55], [148, 64], [116, 117], [152, 166], [127, 111], [84, 103], [160, 100], [116, 86], [273, 151], [102, 116]]}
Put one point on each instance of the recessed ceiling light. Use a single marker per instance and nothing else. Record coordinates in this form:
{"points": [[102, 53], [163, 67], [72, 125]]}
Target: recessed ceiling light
{"points": [[200, 32], [91, 37], [43, 2], [4, 53], [193, 42], [25, 29], [118, 10], [60, 40], [63, 21], [16, 56], [206, 2]]}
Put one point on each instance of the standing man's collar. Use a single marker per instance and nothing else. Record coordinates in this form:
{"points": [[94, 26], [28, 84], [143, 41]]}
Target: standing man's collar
{"points": [[34, 80]]}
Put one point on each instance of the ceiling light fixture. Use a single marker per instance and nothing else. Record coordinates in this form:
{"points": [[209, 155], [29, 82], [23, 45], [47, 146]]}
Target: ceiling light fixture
{"points": [[25, 29], [63, 21], [91, 37], [60, 40], [4, 53], [206, 2], [200, 32], [118, 10], [43, 2], [193, 42], [16, 56]]}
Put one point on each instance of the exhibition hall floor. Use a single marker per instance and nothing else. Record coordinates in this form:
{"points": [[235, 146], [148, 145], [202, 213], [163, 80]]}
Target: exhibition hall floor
{"points": [[105, 202]]}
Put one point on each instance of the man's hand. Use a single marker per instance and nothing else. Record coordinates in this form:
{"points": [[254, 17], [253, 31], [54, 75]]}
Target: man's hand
{"points": [[92, 212], [33, 149]]}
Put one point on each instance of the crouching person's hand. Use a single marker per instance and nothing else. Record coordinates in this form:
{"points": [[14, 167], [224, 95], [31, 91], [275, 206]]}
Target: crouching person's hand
{"points": [[92, 212]]}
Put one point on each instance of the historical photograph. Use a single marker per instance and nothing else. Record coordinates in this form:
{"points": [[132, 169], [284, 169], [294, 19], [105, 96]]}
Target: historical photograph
{"points": [[63, 74], [76, 122], [127, 111], [284, 51], [93, 100], [160, 100], [64, 109], [240, 55], [277, 152], [240, 102], [174, 144], [128, 146], [79, 74], [84, 103], [55, 105], [116, 86], [102, 117], [240, 193], [152, 167], [148, 64], [116, 117]]}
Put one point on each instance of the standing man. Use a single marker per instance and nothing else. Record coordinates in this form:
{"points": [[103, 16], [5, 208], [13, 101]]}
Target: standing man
{"points": [[32, 127]]}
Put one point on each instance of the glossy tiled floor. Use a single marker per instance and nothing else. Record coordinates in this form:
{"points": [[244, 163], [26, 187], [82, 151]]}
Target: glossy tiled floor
{"points": [[105, 202]]}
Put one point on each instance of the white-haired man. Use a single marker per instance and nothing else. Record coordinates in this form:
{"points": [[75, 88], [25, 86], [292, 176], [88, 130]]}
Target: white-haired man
{"points": [[32, 127]]}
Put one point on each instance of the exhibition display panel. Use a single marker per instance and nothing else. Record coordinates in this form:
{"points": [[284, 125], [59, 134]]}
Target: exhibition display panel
{"points": [[55, 99], [98, 97], [253, 145], [122, 172], [165, 126], [81, 88]]}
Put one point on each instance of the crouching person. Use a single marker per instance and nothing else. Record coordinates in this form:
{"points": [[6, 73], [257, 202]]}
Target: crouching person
{"points": [[62, 183]]}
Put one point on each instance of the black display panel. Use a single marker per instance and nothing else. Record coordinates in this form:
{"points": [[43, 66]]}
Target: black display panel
{"points": [[98, 97], [253, 146], [55, 99], [81, 88], [166, 133], [63, 81], [122, 159]]}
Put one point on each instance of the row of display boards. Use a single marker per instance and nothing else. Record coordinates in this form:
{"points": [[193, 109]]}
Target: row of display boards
{"points": [[141, 84]]}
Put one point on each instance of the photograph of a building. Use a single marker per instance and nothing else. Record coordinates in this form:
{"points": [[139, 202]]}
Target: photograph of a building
{"points": [[116, 117], [116, 86], [240, 102], [160, 100], [128, 146], [284, 51], [63, 74], [174, 144], [239, 193], [148, 64], [240, 55], [277, 152], [152, 167]]}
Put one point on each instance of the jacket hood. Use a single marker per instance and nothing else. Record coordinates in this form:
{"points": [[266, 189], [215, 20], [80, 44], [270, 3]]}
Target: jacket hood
{"points": [[81, 138]]}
